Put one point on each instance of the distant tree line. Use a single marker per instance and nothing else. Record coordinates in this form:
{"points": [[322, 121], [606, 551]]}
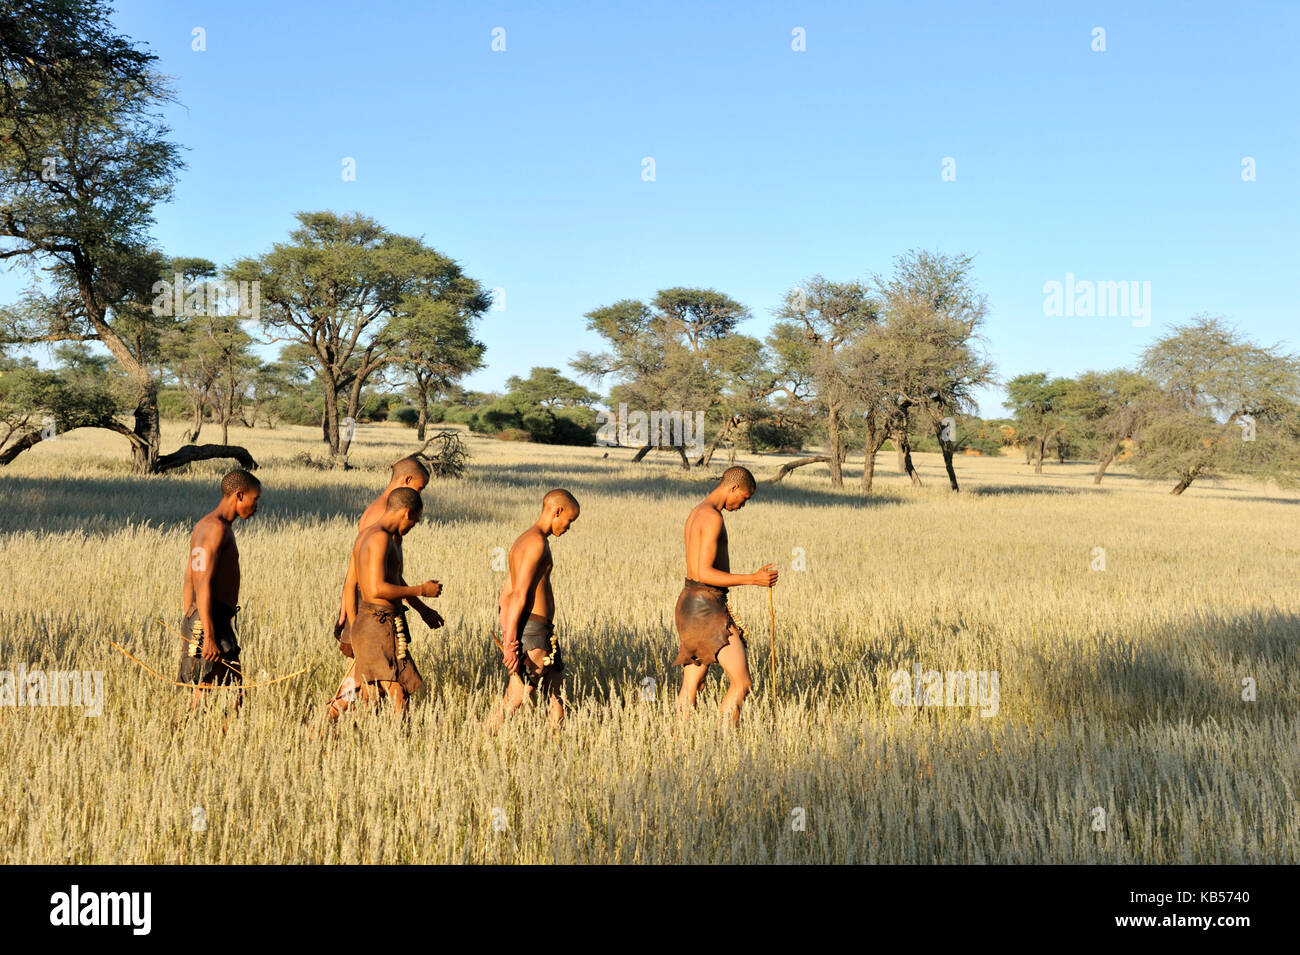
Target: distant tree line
{"points": [[373, 325]]}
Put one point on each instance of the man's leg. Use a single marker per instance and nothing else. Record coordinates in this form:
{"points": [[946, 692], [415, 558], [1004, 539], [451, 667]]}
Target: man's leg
{"points": [[517, 692], [693, 675], [735, 663], [346, 694], [553, 690]]}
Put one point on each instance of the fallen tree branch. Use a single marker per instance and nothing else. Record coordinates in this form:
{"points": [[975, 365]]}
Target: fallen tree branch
{"points": [[791, 465], [203, 452]]}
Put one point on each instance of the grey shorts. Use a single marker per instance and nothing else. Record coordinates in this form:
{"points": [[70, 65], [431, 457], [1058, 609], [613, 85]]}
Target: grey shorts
{"points": [[539, 635]]}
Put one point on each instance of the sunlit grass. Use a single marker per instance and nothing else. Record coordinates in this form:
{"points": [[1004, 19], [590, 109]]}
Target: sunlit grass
{"points": [[1119, 689]]}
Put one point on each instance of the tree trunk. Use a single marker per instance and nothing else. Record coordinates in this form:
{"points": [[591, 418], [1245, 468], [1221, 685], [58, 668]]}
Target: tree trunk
{"points": [[868, 470], [908, 468], [423, 421], [704, 459], [1104, 463], [147, 430], [898, 450], [353, 409], [642, 453], [834, 445], [331, 416], [947, 463], [193, 434], [686, 465], [29, 440], [1042, 450]]}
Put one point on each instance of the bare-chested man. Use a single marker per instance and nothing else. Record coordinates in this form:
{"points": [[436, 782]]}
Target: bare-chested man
{"points": [[210, 598], [526, 612], [382, 666], [407, 472], [708, 632]]}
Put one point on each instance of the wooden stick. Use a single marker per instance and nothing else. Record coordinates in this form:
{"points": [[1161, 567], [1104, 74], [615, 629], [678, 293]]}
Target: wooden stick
{"points": [[771, 612]]}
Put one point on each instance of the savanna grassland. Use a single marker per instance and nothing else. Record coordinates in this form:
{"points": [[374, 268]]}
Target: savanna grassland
{"points": [[1119, 689]]}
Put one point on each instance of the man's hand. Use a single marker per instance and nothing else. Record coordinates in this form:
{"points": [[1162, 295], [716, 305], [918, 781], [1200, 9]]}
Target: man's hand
{"points": [[430, 588], [510, 655], [338, 627], [432, 619], [211, 652], [765, 576]]}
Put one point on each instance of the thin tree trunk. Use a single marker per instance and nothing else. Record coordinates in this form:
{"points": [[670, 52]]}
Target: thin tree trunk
{"points": [[947, 463], [642, 453], [908, 468], [704, 459], [423, 421], [834, 444], [1104, 463], [1042, 449], [193, 434]]}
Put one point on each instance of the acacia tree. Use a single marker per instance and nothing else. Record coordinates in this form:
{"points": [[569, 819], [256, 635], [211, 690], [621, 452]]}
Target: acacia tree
{"points": [[1037, 405], [437, 348], [933, 315], [670, 355], [39, 404], [338, 288], [826, 315], [1226, 403], [551, 408], [1109, 408], [84, 157]]}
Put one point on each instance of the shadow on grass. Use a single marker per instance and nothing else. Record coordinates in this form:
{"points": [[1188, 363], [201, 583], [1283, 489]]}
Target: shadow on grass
{"points": [[1193, 671], [676, 484], [104, 504], [1014, 490]]}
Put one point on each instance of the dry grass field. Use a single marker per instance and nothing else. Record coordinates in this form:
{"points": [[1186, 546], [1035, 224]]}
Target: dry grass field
{"points": [[1120, 735]]}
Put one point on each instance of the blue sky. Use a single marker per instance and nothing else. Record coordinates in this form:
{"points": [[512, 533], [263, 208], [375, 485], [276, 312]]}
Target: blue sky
{"points": [[771, 165]]}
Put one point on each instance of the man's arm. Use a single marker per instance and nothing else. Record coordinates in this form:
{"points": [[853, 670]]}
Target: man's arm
{"points": [[708, 553], [430, 616], [373, 550], [349, 587], [203, 562], [525, 565]]}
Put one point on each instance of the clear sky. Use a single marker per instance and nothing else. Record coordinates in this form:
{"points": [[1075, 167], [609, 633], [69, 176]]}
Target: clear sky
{"points": [[771, 164]]}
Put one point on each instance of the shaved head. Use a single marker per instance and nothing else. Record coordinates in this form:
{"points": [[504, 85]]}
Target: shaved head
{"points": [[740, 477], [410, 467], [559, 497], [237, 481], [403, 498]]}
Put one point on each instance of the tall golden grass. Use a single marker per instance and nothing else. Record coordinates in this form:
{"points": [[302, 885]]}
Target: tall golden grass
{"points": [[1119, 689]]}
